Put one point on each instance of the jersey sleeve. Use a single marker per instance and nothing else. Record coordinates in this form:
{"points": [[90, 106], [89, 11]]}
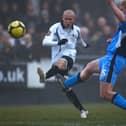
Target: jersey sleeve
{"points": [[50, 38], [80, 38]]}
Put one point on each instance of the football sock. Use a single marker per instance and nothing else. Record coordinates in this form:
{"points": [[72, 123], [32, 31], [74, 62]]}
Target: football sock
{"points": [[53, 71], [73, 98], [73, 80], [119, 100]]}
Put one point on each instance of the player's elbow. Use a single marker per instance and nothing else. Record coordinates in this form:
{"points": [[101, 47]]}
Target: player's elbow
{"points": [[44, 42]]}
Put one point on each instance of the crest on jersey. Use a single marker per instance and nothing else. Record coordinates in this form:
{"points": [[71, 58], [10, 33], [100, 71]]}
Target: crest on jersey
{"points": [[48, 33]]}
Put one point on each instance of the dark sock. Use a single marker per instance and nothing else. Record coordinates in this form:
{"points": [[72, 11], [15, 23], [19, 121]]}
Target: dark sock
{"points": [[54, 70], [73, 98], [51, 72]]}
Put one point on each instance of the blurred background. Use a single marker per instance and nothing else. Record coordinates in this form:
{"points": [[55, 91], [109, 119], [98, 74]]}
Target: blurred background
{"points": [[19, 58]]}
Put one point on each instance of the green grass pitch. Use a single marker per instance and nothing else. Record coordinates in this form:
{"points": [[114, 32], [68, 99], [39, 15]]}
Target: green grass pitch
{"points": [[61, 115]]}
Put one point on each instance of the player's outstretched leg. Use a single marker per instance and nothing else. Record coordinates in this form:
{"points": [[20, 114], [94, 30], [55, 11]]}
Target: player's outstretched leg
{"points": [[72, 97], [51, 72]]}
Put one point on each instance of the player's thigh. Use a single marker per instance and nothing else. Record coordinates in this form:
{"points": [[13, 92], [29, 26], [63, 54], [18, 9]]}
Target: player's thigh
{"points": [[64, 63], [91, 67], [61, 63]]}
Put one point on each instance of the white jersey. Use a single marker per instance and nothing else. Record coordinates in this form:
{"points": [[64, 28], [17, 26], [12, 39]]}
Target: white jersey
{"points": [[58, 32]]}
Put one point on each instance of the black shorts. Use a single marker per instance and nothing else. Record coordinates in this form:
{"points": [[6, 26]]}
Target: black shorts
{"points": [[69, 62]]}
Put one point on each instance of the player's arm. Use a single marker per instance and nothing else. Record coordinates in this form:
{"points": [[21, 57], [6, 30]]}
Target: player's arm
{"points": [[118, 12], [52, 38], [49, 40], [85, 45]]}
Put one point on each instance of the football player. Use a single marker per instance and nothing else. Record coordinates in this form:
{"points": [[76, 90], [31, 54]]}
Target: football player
{"points": [[63, 38]]}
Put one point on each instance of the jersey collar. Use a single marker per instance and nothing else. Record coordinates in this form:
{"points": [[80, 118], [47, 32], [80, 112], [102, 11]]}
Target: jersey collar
{"points": [[64, 26]]}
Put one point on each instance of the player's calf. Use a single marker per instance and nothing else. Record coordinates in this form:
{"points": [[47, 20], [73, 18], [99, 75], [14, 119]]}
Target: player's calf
{"points": [[72, 97]]}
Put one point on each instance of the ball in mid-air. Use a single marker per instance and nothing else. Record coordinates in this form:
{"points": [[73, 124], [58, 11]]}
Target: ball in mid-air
{"points": [[16, 29]]}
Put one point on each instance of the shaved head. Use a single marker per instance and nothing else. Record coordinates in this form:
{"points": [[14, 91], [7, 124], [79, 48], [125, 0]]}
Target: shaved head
{"points": [[68, 18], [69, 12]]}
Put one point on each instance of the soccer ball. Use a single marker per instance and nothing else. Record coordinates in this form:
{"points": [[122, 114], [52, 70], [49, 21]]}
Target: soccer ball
{"points": [[16, 29]]}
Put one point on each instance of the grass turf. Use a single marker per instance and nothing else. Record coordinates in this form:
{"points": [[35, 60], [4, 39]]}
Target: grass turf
{"points": [[61, 115]]}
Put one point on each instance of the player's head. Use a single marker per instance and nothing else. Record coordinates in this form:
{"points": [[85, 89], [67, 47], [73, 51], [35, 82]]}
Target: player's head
{"points": [[122, 6], [68, 18]]}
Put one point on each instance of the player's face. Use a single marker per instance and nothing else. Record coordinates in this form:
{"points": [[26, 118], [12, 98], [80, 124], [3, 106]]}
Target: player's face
{"points": [[123, 9], [68, 20]]}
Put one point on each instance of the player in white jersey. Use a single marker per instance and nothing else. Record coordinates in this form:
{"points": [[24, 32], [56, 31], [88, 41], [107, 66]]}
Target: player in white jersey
{"points": [[63, 37], [60, 45]]}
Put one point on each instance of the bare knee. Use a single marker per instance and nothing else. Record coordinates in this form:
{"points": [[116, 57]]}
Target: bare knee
{"points": [[61, 64], [106, 91], [105, 95]]}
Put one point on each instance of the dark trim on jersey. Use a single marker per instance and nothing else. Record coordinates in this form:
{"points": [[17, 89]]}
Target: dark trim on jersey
{"points": [[109, 77], [114, 96], [64, 26], [57, 34], [122, 49], [79, 34]]}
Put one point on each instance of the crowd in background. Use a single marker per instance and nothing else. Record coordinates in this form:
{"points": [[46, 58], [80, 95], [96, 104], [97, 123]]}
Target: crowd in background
{"points": [[38, 15]]}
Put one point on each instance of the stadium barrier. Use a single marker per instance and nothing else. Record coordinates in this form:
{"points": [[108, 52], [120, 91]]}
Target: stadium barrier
{"points": [[20, 75], [19, 84]]}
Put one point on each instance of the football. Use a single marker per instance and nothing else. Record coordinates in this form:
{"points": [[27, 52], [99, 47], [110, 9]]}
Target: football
{"points": [[16, 29]]}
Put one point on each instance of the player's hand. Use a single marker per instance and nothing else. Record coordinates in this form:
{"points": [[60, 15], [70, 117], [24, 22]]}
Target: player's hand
{"points": [[109, 40], [62, 41], [87, 45]]}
